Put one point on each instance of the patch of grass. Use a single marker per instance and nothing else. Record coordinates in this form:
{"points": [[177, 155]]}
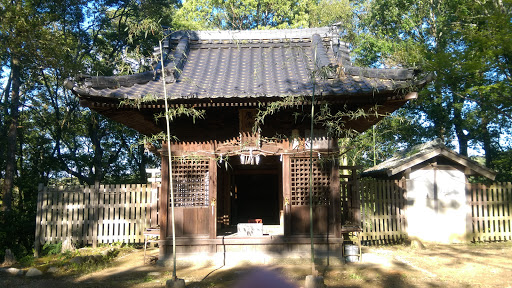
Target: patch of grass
{"points": [[94, 259], [52, 249], [27, 261], [356, 276], [148, 278], [87, 267], [68, 254]]}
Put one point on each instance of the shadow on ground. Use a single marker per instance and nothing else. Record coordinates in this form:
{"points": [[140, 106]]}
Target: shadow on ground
{"points": [[391, 266]]}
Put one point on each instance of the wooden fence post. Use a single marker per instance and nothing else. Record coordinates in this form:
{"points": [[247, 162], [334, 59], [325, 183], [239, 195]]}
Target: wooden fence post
{"points": [[37, 240], [508, 210], [286, 195], [469, 218], [94, 204], [154, 204]]}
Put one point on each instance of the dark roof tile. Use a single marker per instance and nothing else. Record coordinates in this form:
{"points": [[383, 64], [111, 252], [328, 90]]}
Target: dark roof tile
{"points": [[272, 63]]}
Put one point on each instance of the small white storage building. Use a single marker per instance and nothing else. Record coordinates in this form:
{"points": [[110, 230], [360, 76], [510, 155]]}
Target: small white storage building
{"points": [[437, 207]]}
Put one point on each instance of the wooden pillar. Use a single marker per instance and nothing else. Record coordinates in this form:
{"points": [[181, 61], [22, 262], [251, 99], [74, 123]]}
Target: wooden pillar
{"points": [[213, 199], [469, 218], [164, 202], [405, 197], [94, 206], [154, 200], [287, 195], [436, 193], [39, 217], [335, 199], [355, 195]]}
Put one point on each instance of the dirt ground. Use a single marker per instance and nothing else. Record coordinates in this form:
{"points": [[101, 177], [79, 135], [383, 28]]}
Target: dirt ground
{"points": [[472, 265]]}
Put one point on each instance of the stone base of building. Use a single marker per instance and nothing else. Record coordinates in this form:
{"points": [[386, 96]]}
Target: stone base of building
{"points": [[251, 251]]}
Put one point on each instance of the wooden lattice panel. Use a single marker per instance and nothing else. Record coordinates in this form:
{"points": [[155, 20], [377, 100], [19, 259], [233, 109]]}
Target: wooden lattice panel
{"points": [[300, 182], [191, 183]]}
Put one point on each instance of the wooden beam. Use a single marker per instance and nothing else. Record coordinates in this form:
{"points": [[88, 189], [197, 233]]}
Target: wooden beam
{"points": [[164, 203], [287, 195], [213, 199], [414, 162], [469, 163], [335, 199]]}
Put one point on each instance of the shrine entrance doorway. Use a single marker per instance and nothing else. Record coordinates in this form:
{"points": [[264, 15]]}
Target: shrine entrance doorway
{"points": [[249, 194], [256, 198]]}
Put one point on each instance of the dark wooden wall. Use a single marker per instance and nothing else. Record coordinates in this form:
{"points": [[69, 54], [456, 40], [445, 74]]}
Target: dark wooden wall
{"points": [[191, 221], [222, 124], [325, 196], [196, 159]]}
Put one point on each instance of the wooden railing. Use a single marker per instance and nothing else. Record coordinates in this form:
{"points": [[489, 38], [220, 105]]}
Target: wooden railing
{"points": [[89, 215], [491, 211]]}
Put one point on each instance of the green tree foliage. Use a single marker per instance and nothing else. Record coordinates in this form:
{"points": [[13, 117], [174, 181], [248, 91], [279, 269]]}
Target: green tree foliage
{"points": [[466, 44], [48, 137], [243, 14], [382, 141], [28, 39], [260, 14]]}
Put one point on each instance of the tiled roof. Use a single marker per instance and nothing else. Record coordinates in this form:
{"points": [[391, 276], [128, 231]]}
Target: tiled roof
{"points": [[249, 64]]}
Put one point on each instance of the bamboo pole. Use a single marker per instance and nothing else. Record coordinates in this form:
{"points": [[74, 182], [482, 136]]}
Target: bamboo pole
{"points": [[170, 165], [311, 176]]}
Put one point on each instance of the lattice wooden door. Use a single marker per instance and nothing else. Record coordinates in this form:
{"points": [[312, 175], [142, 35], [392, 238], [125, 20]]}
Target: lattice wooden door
{"points": [[191, 196], [191, 183], [299, 190]]}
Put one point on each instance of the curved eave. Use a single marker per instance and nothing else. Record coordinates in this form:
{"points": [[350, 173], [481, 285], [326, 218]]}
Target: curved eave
{"points": [[331, 88], [382, 98]]}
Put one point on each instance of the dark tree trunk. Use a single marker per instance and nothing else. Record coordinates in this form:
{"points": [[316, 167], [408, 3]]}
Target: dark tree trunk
{"points": [[3, 125], [439, 125], [486, 139], [463, 143], [20, 132], [458, 125], [10, 161], [98, 150], [437, 112], [462, 139], [142, 165], [5, 95]]}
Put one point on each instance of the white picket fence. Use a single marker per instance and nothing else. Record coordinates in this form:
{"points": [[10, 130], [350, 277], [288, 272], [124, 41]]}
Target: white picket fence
{"points": [[90, 215]]}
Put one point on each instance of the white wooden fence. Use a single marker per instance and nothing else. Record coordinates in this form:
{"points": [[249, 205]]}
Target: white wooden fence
{"points": [[383, 211], [90, 215], [383, 204], [491, 211]]}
